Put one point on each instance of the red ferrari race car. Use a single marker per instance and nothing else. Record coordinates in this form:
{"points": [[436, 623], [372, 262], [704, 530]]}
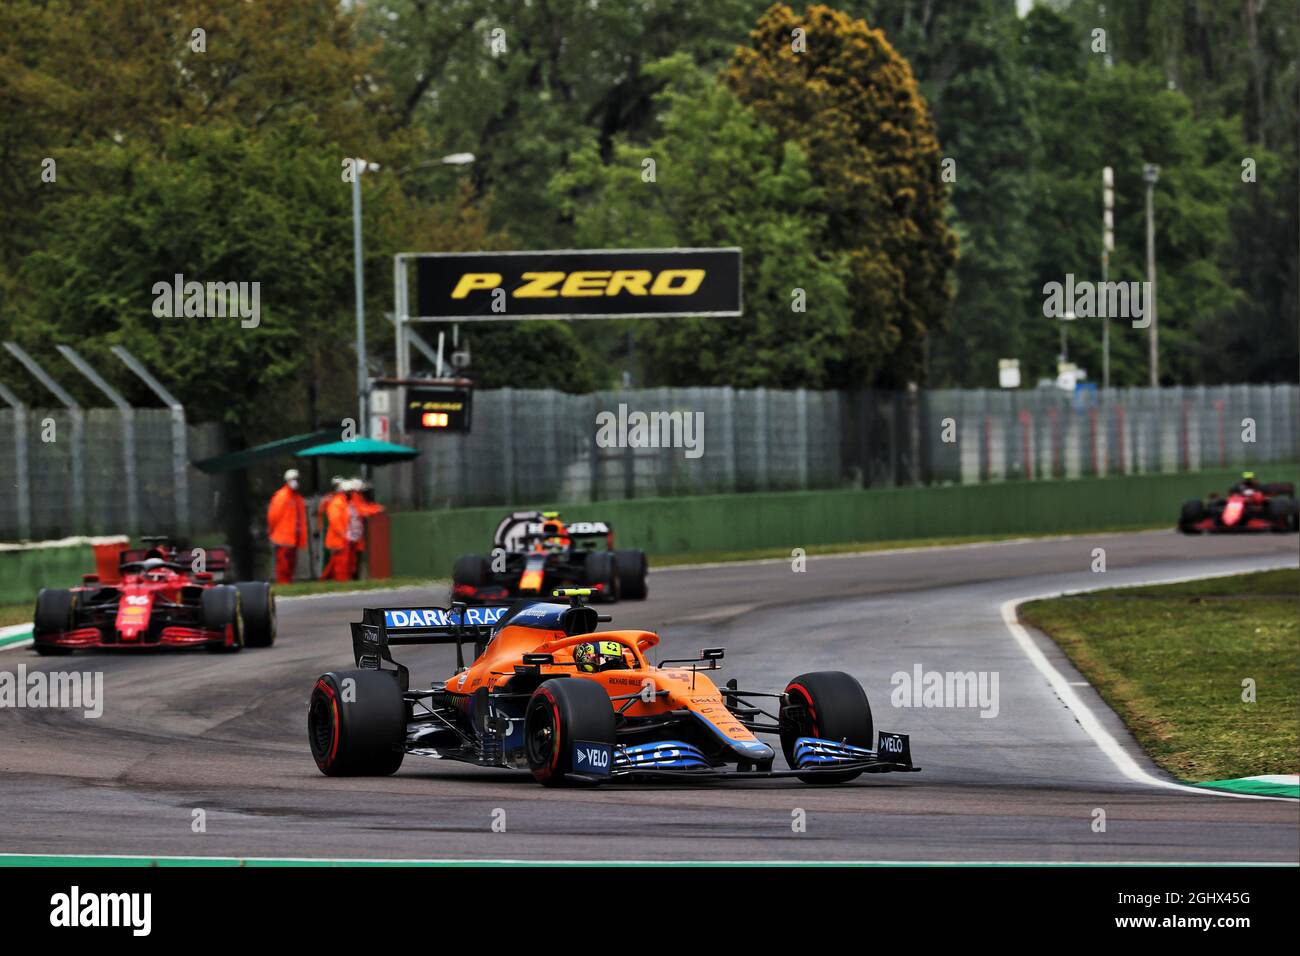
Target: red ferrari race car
{"points": [[1249, 506], [160, 601]]}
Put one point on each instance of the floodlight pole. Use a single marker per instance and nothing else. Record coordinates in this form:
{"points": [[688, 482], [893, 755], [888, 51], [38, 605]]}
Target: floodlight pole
{"points": [[23, 497], [75, 414], [1150, 175], [1107, 247], [363, 421], [128, 434], [180, 439]]}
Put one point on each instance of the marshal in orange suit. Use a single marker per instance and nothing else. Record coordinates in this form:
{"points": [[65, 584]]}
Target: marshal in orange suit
{"points": [[286, 523]]}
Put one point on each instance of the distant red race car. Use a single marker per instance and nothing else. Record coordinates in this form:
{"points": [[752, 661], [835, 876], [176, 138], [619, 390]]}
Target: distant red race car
{"points": [[160, 601], [1248, 506]]}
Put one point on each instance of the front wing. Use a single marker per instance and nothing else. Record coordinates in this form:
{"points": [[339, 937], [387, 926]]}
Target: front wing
{"points": [[813, 756]]}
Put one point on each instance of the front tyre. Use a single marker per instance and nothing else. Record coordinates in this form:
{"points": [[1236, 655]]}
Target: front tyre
{"points": [[356, 723], [830, 705], [55, 613], [1192, 513], [220, 609], [560, 714]]}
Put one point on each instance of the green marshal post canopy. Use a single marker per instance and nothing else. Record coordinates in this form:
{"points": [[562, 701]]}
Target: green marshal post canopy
{"points": [[366, 451]]}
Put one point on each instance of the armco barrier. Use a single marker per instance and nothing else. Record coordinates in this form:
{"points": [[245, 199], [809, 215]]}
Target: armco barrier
{"points": [[26, 568], [425, 543]]}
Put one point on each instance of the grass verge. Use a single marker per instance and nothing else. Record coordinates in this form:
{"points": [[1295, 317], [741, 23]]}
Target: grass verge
{"points": [[328, 587], [1172, 660]]}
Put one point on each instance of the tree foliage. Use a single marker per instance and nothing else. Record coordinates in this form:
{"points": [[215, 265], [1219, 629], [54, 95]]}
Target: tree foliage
{"points": [[851, 101], [721, 178]]}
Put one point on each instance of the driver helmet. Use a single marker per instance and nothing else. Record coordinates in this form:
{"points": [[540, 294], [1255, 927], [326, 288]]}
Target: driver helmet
{"points": [[594, 656]]}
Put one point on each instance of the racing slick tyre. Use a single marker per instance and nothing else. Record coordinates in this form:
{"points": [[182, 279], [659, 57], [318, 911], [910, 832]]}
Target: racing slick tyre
{"points": [[55, 609], [220, 607], [632, 570], [1282, 512], [602, 568], [1193, 512], [258, 604], [356, 723], [471, 569], [561, 715], [831, 705]]}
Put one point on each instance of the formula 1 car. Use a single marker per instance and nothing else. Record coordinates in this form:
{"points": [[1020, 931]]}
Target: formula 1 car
{"points": [[534, 552], [549, 693], [1249, 506], [158, 602]]}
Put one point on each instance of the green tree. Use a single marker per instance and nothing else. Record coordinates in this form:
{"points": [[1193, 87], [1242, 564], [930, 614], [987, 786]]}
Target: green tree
{"points": [[850, 100], [1125, 116], [966, 56], [721, 177]]}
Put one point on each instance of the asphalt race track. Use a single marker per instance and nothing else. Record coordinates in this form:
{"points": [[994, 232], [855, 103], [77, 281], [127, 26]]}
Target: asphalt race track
{"points": [[182, 732]]}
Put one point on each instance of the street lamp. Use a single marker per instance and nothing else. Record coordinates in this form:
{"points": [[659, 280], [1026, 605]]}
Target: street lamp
{"points": [[399, 310], [360, 166], [1150, 174], [363, 376]]}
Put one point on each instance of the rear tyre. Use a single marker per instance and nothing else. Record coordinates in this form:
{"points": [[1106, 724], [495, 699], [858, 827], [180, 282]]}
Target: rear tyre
{"points": [[632, 571], [831, 705], [602, 569], [220, 608], [471, 569], [258, 605], [1193, 512], [356, 723], [560, 714], [1282, 512]]}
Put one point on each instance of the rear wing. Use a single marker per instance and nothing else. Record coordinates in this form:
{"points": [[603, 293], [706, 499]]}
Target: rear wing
{"points": [[381, 628], [589, 534], [216, 560]]}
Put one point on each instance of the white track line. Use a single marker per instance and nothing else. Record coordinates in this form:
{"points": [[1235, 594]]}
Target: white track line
{"points": [[622, 863], [1086, 718], [10, 631], [918, 549]]}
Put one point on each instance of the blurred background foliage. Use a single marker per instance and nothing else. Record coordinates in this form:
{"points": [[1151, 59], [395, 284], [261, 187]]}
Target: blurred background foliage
{"points": [[824, 165]]}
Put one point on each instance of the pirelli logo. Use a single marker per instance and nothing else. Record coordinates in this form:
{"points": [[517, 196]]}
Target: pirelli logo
{"points": [[578, 284]]}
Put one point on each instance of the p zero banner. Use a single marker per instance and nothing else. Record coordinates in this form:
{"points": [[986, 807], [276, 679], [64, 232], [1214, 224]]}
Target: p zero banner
{"points": [[578, 284]]}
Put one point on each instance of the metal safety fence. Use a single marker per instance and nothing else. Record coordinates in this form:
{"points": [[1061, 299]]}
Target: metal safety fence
{"points": [[546, 446], [67, 472]]}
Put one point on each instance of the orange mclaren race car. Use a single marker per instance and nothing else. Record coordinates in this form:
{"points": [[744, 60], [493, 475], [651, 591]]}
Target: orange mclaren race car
{"points": [[549, 693]]}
